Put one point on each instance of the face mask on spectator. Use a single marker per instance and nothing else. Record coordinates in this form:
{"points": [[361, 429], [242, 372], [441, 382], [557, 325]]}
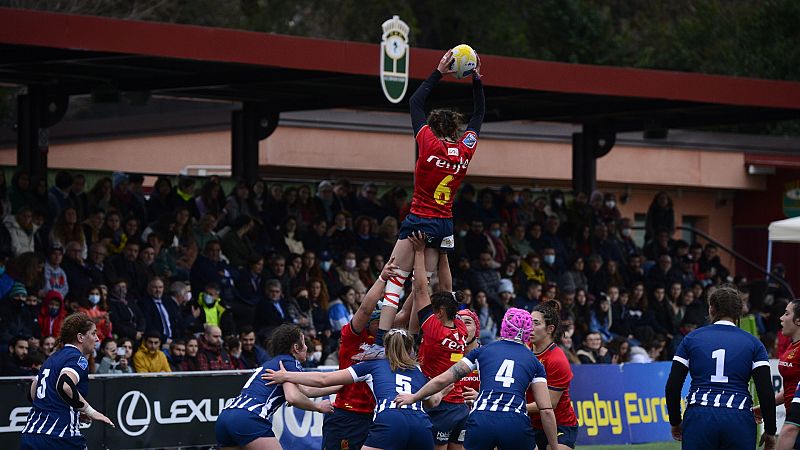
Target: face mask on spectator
{"points": [[462, 233], [325, 265], [94, 299], [559, 201], [189, 296], [626, 232], [350, 264], [496, 233], [208, 299], [611, 204], [549, 259], [54, 311]]}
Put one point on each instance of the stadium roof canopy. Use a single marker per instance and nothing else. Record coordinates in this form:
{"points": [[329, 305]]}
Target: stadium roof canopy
{"points": [[72, 54]]}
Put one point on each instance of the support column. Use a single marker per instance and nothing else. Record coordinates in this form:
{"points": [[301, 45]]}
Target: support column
{"points": [[250, 125], [36, 112], [587, 146]]}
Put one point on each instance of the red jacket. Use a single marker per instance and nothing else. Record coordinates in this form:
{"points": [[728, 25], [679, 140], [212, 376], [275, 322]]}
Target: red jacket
{"points": [[50, 325]]}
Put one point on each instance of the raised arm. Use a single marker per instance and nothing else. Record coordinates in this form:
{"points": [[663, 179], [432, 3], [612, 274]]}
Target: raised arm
{"points": [[417, 101], [404, 316], [361, 317], [455, 373], [478, 100]]}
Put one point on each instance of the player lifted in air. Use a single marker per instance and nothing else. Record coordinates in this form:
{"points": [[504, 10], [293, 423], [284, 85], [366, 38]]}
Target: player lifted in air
{"points": [[444, 156]]}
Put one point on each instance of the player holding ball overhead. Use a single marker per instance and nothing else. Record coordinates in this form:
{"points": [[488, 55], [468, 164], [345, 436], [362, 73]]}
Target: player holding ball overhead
{"points": [[444, 156]]}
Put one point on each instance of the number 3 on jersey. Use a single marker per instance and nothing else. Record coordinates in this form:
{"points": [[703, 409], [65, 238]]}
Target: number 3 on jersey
{"points": [[41, 389], [505, 374], [443, 192]]}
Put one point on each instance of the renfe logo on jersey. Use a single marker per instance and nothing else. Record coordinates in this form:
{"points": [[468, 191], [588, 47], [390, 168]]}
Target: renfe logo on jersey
{"points": [[470, 140]]}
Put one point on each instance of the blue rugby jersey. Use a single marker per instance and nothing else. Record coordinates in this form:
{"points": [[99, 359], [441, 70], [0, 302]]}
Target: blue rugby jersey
{"points": [[721, 359], [50, 415], [506, 369], [385, 384], [260, 398]]}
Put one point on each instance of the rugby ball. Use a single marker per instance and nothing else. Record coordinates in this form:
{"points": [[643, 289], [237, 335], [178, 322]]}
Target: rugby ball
{"points": [[464, 61]]}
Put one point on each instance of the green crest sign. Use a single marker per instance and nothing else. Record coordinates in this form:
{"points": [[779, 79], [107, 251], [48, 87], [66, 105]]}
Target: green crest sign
{"points": [[394, 59]]}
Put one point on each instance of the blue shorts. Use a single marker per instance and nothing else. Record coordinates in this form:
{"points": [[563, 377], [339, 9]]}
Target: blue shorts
{"points": [[238, 427], [400, 429], [503, 430], [566, 436], [31, 441], [449, 420], [707, 427], [438, 230], [345, 429]]}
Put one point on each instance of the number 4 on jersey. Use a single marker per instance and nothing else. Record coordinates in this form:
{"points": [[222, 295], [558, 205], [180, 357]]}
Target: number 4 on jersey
{"points": [[505, 374]]}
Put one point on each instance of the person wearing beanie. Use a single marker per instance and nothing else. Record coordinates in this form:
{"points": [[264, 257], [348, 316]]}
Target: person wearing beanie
{"points": [[19, 318]]}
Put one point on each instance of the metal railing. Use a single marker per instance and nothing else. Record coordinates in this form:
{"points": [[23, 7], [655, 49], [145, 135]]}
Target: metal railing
{"points": [[739, 257]]}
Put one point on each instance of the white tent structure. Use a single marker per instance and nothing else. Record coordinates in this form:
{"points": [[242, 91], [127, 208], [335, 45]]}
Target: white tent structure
{"points": [[787, 230]]}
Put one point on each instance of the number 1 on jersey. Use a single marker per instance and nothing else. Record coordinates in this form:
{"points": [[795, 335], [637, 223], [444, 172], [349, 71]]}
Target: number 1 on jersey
{"points": [[719, 356], [505, 374]]}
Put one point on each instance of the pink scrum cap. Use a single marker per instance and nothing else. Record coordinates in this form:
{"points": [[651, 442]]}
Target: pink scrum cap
{"points": [[517, 325]]}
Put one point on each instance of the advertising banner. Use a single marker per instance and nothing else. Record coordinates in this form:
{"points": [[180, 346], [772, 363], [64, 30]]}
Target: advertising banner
{"points": [[159, 410], [615, 405]]}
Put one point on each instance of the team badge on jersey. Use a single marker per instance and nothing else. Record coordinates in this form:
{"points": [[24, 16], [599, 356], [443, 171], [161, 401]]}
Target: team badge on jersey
{"points": [[470, 140], [83, 363]]}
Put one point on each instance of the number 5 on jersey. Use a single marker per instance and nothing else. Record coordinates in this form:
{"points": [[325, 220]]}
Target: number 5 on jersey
{"points": [[403, 384], [505, 374]]}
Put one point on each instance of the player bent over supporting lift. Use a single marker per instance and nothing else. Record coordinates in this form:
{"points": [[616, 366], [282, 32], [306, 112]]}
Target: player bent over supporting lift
{"points": [[444, 155]]}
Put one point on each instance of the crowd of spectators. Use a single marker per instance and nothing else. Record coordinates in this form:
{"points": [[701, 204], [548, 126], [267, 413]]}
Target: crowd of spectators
{"points": [[191, 277]]}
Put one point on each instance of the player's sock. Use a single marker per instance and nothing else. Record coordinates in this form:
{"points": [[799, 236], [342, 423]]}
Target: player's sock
{"points": [[379, 336], [394, 289]]}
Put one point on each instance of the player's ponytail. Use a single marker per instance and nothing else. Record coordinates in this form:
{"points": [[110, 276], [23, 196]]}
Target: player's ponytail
{"points": [[445, 123], [399, 349], [551, 311]]}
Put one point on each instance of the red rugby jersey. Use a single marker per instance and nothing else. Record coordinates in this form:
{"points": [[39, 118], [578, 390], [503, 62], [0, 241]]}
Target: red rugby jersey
{"points": [[559, 375], [440, 169], [472, 380], [441, 347], [356, 397], [789, 368]]}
